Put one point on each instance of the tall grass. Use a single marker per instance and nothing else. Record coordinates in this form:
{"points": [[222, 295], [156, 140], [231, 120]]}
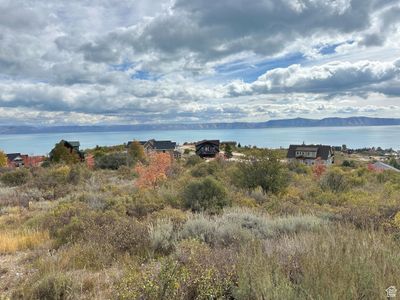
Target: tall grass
{"points": [[13, 241], [334, 263]]}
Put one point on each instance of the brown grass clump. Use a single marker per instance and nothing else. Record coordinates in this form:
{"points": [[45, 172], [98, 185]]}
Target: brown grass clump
{"points": [[13, 241]]}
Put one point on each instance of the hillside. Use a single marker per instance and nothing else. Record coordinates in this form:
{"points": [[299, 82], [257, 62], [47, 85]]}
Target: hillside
{"points": [[152, 228], [297, 122]]}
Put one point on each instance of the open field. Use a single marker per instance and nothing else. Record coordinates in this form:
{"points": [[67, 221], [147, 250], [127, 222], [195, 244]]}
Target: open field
{"points": [[254, 228]]}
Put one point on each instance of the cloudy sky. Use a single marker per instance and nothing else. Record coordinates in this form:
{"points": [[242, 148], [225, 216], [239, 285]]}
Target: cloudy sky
{"points": [[182, 61]]}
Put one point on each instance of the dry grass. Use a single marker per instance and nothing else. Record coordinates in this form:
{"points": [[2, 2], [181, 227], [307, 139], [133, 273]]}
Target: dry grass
{"points": [[13, 241]]}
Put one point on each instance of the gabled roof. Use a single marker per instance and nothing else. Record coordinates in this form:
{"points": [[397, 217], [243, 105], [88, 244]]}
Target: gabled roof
{"points": [[157, 145], [161, 145], [214, 142], [323, 151], [382, 166], [13, 156], [74, 143]]}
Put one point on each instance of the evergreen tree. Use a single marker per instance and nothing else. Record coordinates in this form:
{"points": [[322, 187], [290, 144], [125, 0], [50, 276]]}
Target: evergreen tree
{"points": [[228, 151]]}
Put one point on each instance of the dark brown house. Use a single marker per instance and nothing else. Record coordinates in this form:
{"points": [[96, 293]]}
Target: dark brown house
{"points": [[72, 146], [311, 154], [207, 148]]}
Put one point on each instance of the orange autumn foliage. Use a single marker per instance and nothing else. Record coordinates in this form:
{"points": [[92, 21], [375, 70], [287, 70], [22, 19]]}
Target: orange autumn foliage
{"points": [[319, 168], [154, 171]]}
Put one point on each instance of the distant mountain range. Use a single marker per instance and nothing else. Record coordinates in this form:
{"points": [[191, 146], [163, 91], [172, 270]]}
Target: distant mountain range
{"points": [[297, 122]]}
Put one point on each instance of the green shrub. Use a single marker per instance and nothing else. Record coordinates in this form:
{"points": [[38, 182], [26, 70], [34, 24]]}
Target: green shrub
{"points": [[334, 180], [53, 286], [298, 167], [78, 173], [200, 228], [349, 163], [194, 272], [16, 177], [264, 170], [193, 160], [54, 181], [162, 237], [112, 161], [236, 227], [86, 255], [204, 169], [205, 194]]}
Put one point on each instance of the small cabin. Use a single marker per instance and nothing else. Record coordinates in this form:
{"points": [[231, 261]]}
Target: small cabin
{"points": [[207, 148], [311, 154]]}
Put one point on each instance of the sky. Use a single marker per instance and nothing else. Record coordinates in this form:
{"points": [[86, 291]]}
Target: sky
{"points": [[81, 62]]}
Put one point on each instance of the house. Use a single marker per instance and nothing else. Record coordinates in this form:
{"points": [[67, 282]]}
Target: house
{"points": [[311, 154], [207, 148], [15, 160], [73, 147], [159, 146]]}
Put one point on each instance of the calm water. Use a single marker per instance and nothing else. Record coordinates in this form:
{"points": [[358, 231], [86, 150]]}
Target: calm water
{"points": [[353, 137]]}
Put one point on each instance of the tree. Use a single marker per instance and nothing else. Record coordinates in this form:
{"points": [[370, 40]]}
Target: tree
{"points": [[394, 163], [154, 171], [205, 194], [262, 169], [135, 153], [61, 154], [3, 159], [228, 151]]}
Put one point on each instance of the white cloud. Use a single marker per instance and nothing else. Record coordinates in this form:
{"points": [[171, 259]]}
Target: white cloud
{"points": [[91, 60]]}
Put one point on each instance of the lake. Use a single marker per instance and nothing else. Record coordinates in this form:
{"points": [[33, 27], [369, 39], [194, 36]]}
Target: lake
{"points": [[353, 137]]}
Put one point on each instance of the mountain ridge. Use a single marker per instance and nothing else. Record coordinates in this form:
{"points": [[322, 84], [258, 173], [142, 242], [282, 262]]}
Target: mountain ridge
{"points": [[279, 123]]}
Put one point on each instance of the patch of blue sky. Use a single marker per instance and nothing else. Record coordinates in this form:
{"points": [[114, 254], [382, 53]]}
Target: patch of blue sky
{"points": [[145, 75], [331, 49], [249, 72], [125, 66]]}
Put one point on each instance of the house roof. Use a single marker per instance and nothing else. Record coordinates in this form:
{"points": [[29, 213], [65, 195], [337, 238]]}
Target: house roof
{"points": [[214, 142], [74, 143], [157, 145], [162, 145], [382, 166], [323, 151], [13, 156], [311, 149]]}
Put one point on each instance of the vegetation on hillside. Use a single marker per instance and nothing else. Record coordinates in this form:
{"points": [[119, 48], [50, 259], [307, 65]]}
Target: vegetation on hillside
{"points": [[154, 228], [3, 159]]}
